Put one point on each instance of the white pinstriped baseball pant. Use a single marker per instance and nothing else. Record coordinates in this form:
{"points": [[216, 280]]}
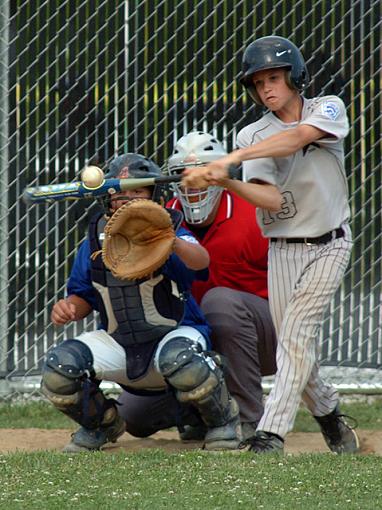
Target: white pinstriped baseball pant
{"points": [[302, 281]]}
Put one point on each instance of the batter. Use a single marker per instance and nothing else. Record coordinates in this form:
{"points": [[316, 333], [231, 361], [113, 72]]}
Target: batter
{"points": [[293, 165]]}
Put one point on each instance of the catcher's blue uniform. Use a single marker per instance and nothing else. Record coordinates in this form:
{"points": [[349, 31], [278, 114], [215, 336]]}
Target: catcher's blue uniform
{"points": [[80, 283]]}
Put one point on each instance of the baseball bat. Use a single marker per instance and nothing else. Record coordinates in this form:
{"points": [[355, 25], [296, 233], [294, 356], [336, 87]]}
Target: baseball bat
{"points": [[76, 190]]}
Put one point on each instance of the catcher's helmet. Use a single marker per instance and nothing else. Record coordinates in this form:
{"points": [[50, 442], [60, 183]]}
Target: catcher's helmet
{"points": [[274, 52], [137, 165], [195, 149], [129, 166]]}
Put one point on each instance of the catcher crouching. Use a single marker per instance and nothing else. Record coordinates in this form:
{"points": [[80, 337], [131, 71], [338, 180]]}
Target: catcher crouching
{"points": [[136, 269]]}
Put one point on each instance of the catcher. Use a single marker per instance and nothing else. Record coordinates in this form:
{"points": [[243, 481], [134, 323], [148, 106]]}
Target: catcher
{"points": [[136, 269]]}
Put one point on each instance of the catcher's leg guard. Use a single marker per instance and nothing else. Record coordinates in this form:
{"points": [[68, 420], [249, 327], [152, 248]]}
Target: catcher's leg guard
{"points": [[67, 382], [199, 381]]}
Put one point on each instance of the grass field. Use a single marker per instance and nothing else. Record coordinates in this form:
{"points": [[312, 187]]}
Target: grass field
{"points": [[154, 479], [191, 480], [41, 414]]}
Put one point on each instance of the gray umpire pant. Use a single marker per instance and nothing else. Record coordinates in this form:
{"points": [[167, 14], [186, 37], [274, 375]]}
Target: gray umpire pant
{"points": [[243, 332]]}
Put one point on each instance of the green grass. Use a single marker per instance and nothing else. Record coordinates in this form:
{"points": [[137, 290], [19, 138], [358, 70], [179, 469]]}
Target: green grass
{"points": [[41, 414], [156, 479], [153, 479]]}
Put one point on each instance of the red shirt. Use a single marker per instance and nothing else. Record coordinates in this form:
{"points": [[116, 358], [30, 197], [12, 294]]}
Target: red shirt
{"points": [[237, 248]]}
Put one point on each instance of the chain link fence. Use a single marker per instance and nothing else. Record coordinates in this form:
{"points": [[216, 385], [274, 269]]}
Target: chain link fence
{"points": [[84, 80]]}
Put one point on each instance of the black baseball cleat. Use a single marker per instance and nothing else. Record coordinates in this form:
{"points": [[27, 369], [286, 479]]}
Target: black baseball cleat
{"points": [[90, 440], [248, 430], [265, 442], [338, 435], [193, 432]]}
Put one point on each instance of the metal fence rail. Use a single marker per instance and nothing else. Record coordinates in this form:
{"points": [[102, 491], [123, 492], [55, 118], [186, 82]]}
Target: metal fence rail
{"points": [[84, 80]]}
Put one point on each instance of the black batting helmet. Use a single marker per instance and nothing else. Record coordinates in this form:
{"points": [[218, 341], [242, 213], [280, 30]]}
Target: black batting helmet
{"points": [[133, 166], [273, 52]]}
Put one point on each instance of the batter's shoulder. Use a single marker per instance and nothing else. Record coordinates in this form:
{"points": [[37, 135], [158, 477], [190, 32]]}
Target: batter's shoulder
{"points": [[326, 104], [248, 134]]}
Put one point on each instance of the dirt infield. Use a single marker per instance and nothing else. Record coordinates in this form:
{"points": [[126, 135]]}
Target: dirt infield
{"points": [[12, 440]]}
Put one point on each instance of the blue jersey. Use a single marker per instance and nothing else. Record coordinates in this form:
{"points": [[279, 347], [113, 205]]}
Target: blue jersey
{"points": [[80, 282]]}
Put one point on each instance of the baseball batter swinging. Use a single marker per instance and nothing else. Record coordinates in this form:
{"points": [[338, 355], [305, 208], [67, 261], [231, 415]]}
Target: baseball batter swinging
{"points": [[293, 165]]}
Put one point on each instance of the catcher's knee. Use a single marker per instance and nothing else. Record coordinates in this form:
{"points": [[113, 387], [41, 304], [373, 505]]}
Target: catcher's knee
{"points": [[180, 363], [66, 366], [198, 380], [68, 382], [187, 369]]}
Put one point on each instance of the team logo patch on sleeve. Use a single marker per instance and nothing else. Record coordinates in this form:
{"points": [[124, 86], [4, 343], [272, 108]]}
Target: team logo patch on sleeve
{"points": [[330, 109]]}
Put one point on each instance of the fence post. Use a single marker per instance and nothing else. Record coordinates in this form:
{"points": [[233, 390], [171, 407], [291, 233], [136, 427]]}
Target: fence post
{"points": [[4, 92]]}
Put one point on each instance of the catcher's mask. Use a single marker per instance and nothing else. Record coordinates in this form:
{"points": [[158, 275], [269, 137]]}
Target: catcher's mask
{"points": [[135, 166], [195, 149], [274, 52]]}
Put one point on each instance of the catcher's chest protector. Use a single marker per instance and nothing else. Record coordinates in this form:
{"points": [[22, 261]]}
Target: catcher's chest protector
{"points": [[137, 314]]}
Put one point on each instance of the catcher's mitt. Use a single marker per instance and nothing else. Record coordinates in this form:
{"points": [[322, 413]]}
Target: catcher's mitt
{"points": [[139, 238]]}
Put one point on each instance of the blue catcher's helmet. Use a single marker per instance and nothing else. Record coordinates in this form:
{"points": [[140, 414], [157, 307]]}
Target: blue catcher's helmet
{"points": [[133, 166]]}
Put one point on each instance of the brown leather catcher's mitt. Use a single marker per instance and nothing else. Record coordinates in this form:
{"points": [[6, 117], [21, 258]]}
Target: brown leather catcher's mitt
{"points": [[139, 238]]}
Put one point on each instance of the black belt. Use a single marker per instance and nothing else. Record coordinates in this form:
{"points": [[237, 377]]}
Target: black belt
{"points": [[325, 238]]}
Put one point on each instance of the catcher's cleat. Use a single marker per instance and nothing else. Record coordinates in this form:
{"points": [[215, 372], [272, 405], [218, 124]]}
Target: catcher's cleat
{"points": [[85, 440], [265, 442], [193, 433], [338, 435], [225, 437], [248, 430]]}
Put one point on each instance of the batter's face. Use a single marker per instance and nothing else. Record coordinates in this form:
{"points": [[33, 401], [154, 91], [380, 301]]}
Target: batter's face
{"points": [[273, 89]]}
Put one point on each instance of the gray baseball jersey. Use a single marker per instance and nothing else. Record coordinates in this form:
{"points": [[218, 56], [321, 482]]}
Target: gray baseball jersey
{"points": [[312, 181]]}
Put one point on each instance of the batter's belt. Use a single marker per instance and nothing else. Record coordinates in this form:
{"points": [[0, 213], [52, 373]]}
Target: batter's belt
{"points": [[325, 238]]}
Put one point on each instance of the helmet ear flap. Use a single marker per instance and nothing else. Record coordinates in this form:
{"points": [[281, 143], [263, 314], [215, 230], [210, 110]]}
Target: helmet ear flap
{"points": [[289, 81], [254, 95]]}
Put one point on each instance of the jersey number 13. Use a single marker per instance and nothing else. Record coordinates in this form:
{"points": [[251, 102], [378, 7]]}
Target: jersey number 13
{"points": [[288, 210]]}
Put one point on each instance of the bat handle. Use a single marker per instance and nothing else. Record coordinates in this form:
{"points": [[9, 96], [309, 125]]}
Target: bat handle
{"points": [[164, 179]]}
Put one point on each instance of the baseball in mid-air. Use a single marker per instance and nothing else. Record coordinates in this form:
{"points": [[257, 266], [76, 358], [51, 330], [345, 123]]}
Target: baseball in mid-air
{"points": [[92, 176]]}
